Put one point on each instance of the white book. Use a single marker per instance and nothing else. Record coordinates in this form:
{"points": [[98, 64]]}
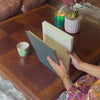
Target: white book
{"points": [[58, 40]]}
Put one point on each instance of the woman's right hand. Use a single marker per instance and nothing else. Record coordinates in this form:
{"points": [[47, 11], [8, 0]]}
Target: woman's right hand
{"points": [[59, 68], [75, 60]]}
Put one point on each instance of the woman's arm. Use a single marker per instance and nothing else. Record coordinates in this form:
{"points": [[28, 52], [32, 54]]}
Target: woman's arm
{"points": [[88, 68]]}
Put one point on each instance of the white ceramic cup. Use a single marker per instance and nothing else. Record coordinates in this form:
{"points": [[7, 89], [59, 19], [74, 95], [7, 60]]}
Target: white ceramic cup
{"points": [[23, 48]]}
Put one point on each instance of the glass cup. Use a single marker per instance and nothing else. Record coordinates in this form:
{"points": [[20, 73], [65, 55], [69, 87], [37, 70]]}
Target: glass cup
{"points": [[59, 21]]}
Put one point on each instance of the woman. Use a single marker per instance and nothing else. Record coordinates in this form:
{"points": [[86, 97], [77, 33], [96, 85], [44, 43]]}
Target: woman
{"points": [[87, 87]]}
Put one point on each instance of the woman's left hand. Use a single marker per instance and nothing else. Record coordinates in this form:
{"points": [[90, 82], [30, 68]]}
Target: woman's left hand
{"points": [[59, 68]]}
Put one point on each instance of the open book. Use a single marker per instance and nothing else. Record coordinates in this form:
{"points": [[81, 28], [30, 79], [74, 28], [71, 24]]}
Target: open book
{"points": [[55, 44]]}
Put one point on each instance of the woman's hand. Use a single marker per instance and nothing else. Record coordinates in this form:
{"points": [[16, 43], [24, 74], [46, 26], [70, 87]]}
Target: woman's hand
{"points": [[76, 62], [62, 72], [60, 69]]}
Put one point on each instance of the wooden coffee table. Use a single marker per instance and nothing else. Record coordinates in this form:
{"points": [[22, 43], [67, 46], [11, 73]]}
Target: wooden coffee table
{"points": [[28, 74]]}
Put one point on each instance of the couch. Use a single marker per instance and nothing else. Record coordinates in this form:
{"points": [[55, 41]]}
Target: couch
{"points": [[10, 7]]}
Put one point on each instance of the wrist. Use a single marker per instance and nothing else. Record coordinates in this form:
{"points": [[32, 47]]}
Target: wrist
{"points": [[67, 83], [64, 77], [81, 65]]}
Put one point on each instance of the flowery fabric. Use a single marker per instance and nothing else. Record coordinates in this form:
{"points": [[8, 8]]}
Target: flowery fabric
{"points": [[86, 88]]}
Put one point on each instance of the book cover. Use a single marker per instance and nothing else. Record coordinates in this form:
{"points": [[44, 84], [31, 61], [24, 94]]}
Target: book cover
{"points": [[41, 50]]}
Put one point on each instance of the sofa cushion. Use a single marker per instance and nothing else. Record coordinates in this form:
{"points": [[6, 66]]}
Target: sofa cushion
{"points": [[30, 4], [8, 8]]}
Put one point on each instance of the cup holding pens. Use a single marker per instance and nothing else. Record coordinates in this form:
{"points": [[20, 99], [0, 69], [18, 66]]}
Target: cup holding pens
{"points": [[59, 20]]}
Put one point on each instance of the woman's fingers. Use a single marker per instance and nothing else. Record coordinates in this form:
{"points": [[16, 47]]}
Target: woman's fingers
{"points": [[61, 62], [70, 55], [52, 63], [60, 69]]}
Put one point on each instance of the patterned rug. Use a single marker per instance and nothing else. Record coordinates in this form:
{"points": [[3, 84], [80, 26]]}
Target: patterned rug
{"points": [[8, 91]]}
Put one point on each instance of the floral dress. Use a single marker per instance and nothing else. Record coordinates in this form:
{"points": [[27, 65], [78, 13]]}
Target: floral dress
{"points": [[86, 88]]}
